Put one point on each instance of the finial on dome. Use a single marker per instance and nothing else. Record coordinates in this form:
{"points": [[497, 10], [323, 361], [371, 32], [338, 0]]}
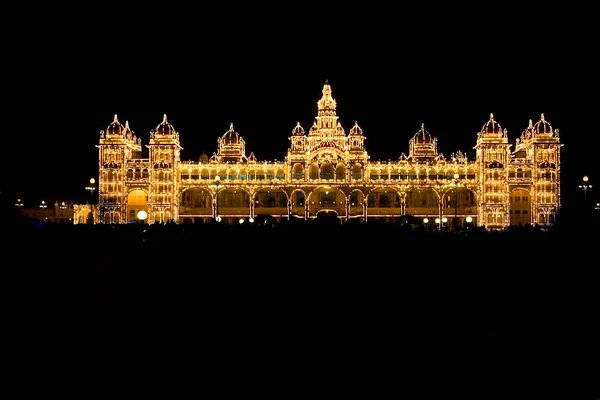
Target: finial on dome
{"points": [[115, 120], [491, 116], [327, 81], [422, 126], [231, 126], [542, 116], [164, 118], [127, 124], [298, 124], [530, 123]]}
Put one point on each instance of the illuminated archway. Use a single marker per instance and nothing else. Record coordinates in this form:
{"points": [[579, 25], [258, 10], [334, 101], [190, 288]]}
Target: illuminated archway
{"points": [[137, 200], [326, 198], [520, 208]]}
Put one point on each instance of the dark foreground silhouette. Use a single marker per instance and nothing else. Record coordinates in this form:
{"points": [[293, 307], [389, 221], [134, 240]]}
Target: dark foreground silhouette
{"points": [[325, 296]]}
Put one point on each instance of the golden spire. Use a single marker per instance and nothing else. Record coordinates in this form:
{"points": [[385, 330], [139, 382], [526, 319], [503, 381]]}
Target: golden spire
{"points": [[327, 103]]}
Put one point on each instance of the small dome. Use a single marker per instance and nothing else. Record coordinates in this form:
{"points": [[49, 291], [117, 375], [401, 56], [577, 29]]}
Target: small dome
{"points": [[422, 136], [491, 126], [356, 130], [115, 128], [542, 127], [165, 128], [298, 130], [231, 136], [528, 132], [128, 132]]}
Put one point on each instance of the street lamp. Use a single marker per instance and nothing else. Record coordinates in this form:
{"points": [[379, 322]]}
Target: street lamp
{"points": [[468, 220], [456, 182], [217, 182], [91, 188], [584, 185], [142, 215], [43, 204], [19, 204]]}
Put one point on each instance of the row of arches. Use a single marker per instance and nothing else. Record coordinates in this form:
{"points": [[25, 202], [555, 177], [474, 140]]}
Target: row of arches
{"points": [[458, 201], [325, 170]]}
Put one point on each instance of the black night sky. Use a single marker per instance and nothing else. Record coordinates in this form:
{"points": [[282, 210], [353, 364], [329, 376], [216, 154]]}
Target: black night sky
{"points": [[390, 73]]}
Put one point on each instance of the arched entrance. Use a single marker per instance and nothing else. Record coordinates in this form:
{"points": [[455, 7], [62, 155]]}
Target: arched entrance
{"points": [[328, 199], [520, 208], [137, 200]]}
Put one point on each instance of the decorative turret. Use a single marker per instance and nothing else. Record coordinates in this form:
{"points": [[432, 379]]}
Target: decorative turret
{"points": [[543, 128], [492, 129], [115, 128], [298, 130], [528, 132], [356, 140], [165, 134], [119, 134], [422, 146], [232, 148], [165, 128], [298, 139], [326, 106]]}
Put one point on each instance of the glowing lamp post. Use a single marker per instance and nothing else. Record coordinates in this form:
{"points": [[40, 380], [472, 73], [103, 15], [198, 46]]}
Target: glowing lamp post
{"points": [[91, 188], [217, 183], [468, 220], [142, 215], [584, 185], [456, 183]]}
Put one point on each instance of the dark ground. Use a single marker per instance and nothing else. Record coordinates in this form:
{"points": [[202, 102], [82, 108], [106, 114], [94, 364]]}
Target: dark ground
{"points": [[320, 299]]}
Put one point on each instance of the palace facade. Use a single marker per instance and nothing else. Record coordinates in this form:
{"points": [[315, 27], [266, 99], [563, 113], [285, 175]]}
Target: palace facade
{"points": [[328, 171]]}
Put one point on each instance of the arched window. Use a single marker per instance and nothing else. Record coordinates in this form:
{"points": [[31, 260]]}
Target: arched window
{"points": [[313, 172], [298, 172], [327, 171], [356, 172], [340, 172]]}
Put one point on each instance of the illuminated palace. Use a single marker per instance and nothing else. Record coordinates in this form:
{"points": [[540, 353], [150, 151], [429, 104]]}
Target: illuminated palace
{"points": [[329, 171]]}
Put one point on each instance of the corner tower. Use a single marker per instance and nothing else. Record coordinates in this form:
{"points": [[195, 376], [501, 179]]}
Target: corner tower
{"points": [[493, 156], [118, 144], [164, 149], [540, 145]]}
